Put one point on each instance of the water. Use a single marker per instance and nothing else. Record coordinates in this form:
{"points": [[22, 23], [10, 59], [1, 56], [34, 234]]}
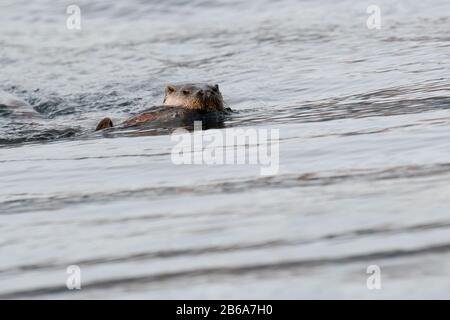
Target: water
{"points": [[364, 151]]}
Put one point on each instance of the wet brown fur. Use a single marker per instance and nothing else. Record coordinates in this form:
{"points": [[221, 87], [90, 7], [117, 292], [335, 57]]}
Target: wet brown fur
{"points": [[199, 97], [142, 117], [105, 123]]}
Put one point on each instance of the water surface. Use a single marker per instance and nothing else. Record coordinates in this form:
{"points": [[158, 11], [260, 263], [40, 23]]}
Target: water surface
{"points": [[364, 151]]}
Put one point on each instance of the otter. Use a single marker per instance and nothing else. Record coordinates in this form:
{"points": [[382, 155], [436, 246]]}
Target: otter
{"points": [[183, 103]]}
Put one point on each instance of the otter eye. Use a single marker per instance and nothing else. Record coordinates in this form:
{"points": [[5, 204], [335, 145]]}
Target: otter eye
{"points": [[186, 92], [216, 87], [200, 93]]}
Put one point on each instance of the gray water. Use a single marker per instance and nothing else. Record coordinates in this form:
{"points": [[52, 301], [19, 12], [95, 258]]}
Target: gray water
{"points": [[364, 151]]}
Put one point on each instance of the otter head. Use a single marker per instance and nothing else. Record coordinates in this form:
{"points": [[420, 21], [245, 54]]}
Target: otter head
{"points": [[201, 97]]}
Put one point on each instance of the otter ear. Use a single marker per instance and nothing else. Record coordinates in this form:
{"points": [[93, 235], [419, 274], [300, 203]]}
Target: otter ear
{"points": [[216, 87], [170, 89]]}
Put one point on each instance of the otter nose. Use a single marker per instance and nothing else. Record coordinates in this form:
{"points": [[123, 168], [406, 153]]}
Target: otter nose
{"points": [[200, 93]]}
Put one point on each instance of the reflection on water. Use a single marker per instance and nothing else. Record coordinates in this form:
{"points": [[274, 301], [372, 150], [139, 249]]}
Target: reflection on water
{"points": [[364, 151]]}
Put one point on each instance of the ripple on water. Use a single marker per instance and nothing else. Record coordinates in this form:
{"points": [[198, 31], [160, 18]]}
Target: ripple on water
{"points": [[364, 149]]}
